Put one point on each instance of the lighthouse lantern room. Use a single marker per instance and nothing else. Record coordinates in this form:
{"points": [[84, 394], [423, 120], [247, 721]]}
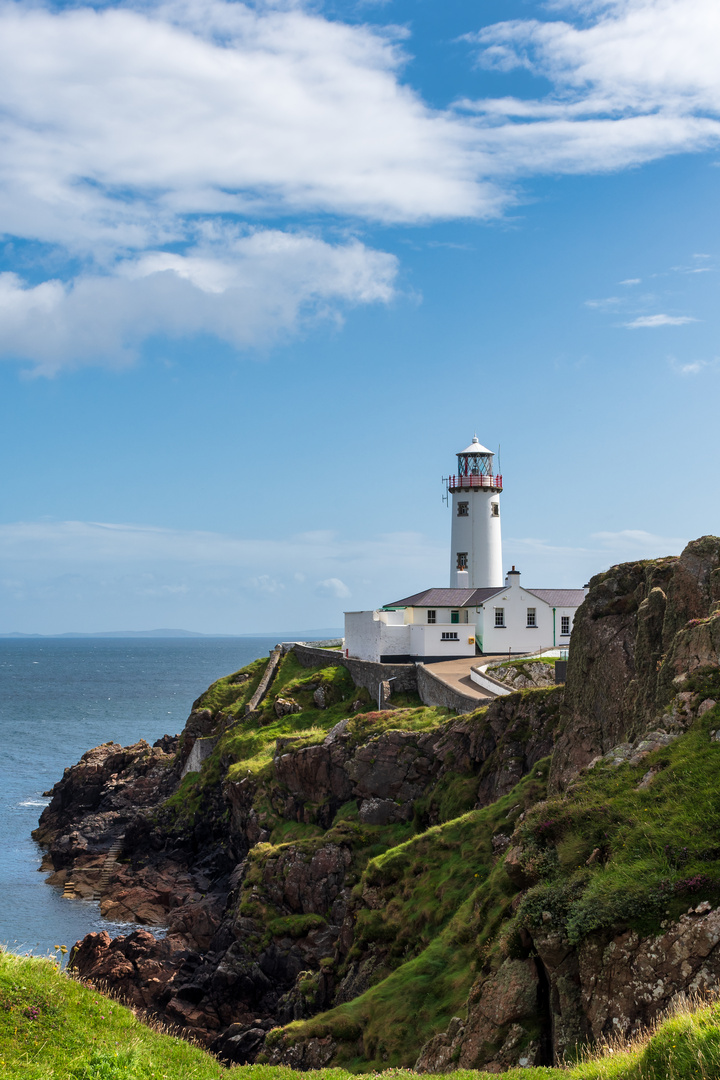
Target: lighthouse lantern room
{"points": [[476, 544]]}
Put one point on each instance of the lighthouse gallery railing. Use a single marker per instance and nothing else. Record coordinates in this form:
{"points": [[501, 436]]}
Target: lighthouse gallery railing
{"points": [[473, 481]]}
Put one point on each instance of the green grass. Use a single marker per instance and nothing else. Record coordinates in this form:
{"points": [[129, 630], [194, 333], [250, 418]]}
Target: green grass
{"points": [[438, 898], [657, 847], [229, 696], [54, 1028], [522, 661], [247, 745]]}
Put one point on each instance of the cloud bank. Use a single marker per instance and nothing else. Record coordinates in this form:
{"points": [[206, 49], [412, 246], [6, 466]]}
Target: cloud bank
{"points": [[93, 576], [157, 151], [247, 290]]}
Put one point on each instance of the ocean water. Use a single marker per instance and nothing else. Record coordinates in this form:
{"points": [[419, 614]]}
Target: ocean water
{"points": [[59, 698]]}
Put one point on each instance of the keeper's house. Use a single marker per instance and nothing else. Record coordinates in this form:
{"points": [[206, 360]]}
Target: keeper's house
{"points": [[478, 613]]}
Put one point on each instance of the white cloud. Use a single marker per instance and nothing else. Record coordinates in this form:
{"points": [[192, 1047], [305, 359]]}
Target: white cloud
{"points": [[132, 136], [67, 575], [213, 108], [691, 367], [77, 575], [631, 281], [606, 304], [332, 587], [650, 321], [245, 289], [633, 81], [637, 543]]}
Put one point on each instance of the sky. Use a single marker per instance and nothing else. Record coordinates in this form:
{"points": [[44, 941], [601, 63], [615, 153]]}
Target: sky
{"points": [[265, 269]]}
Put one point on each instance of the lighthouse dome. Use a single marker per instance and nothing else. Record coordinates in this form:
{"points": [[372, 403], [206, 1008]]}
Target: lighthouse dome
{"points": [[476, 447]]}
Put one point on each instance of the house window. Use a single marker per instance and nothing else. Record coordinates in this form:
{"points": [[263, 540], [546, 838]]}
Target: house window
{"points": [[494, 509], [531, 616], [499, 616], [449, 635], [454, 616], [564, 624], [431, 616], [462, 560], [463, 510]]}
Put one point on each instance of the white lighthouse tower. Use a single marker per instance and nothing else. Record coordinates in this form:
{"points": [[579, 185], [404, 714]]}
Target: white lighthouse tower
{"points": [[476, 544]]}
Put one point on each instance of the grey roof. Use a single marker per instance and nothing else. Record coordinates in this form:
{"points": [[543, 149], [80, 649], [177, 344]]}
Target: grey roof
{"points": [[560, 597], [452, 598]]}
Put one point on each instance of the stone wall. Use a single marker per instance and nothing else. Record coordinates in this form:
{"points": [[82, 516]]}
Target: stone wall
{"points": [[365, 673], [433, 691]]}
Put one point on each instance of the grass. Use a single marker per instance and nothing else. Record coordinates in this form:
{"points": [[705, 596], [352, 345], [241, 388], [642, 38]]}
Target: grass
{"points": [[54, 1028], [630, 845], [247, 745], [437, 898]]}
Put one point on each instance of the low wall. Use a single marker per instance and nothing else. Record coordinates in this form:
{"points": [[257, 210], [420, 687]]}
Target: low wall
{"points": [[201, 749], [365, 673], [275, 657], [434, 691], [486, 682]]}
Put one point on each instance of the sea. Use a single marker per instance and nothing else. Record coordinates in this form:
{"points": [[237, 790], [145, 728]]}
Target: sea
{"points": [[58, 698]]}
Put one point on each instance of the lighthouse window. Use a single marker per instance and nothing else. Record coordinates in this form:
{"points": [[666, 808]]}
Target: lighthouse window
{"points": [[462, 560], [463, 509], [531, 619], [499, 616], [494, 509], [431, 616], [564, 624]]}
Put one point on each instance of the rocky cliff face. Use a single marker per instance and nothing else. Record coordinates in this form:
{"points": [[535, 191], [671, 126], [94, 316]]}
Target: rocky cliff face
{"points": [[498, 886], [618, 873], [250, 863], [642, 627]]}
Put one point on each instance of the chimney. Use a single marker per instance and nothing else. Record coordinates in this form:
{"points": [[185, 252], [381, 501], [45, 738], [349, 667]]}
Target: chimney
{"points": [[512, 578], [462, 579]]}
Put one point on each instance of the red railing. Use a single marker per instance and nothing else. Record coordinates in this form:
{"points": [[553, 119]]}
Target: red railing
{"points": [[456, 482]]}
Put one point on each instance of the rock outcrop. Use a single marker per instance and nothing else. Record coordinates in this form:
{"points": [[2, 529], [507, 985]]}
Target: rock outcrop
{"points": [[281, 850], [644, 655]]}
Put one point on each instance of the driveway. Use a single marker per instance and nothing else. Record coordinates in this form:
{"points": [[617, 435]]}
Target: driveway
{"points": [[456, 673]]}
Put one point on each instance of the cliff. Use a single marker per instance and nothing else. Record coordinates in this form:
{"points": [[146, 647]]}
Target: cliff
{"points": [[341, 885]]}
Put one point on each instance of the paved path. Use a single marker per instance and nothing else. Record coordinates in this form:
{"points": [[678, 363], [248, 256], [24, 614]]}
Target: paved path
{"points": [[456, 673]]}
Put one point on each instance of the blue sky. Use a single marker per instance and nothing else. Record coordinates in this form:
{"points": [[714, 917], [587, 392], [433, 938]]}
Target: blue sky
{"points": [[265, 269]]}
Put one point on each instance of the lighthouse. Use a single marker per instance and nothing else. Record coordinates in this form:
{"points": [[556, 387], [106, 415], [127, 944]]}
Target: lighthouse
{"points": [[476, 544]]}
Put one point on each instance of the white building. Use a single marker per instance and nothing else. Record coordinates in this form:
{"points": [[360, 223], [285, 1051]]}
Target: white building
{"points": [[479, 613]]}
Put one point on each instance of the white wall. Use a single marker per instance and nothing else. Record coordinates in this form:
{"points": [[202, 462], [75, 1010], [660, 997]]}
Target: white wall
{"points": [[516, 636], [362, 634], [426, 640], [418, 615], [479, 534], [368, 636]]}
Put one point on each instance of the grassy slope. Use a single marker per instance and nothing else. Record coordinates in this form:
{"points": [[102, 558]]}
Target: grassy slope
{"points": [[653, 849], [657, 846], [52, 1028], [247, 744], [438, 899]]}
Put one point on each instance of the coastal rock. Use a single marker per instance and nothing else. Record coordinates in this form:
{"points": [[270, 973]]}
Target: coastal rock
{"points": [[273, 912]]}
